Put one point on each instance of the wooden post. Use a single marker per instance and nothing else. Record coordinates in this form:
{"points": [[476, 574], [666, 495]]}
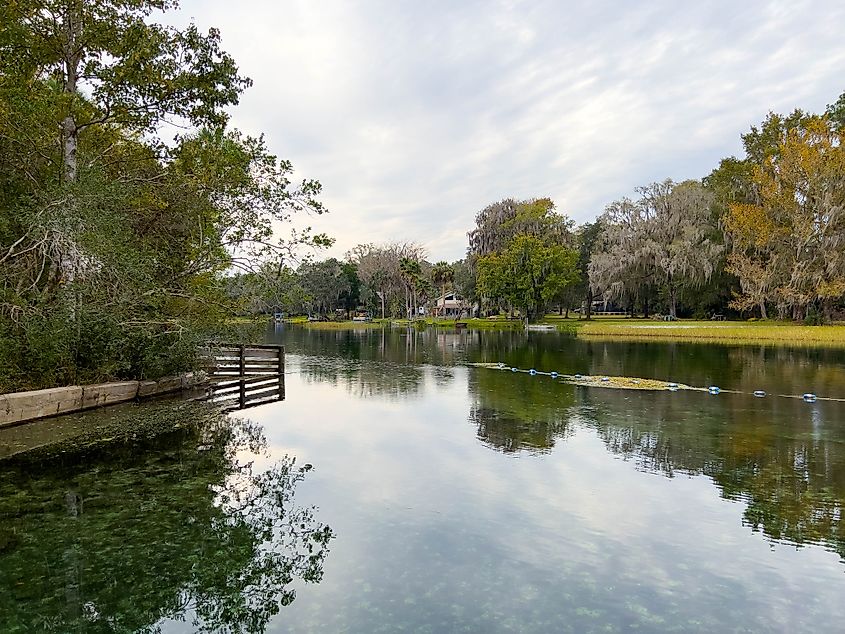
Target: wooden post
{"points": [[243, 385], [281, 372]]}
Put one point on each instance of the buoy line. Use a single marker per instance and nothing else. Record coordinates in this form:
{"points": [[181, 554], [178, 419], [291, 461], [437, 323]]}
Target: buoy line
{"points": [[629, 383]]}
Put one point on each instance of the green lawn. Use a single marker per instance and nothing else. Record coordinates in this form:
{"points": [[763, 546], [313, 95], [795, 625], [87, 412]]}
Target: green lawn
{"points": [[495, 323], [621, 328], [753, 332]]}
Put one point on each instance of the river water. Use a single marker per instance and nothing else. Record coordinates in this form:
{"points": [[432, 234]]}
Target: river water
{"points": [[397, 488]]}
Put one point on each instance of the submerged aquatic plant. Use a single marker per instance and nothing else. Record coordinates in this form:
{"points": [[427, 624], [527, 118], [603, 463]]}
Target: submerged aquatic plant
{"points": [[171, 525]]}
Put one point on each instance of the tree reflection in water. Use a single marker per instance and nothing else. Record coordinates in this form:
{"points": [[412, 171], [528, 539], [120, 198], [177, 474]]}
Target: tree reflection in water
{"points": [[757, 452], [515, 413], [168, 526]]}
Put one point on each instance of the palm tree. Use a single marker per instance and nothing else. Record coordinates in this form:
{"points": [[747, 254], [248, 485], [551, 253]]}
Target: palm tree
{"points": [[411, 271], [443, 274]]}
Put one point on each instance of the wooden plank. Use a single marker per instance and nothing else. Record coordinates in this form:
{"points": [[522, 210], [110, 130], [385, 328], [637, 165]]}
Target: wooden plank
{"points": [[108, 393], [262, 353], [228, 381], [235, 359], [231, 389], [236, 346], [263, 390]]}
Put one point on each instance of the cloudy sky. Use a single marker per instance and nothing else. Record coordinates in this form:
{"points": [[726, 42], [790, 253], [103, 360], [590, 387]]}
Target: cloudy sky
{"points": [[415, 115]]}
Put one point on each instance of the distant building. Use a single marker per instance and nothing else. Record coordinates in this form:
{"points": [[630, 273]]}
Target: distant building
{"points": [[450, 305]]}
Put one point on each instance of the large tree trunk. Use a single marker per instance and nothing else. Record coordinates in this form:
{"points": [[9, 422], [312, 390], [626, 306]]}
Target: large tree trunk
{"points": [[69, 143], [72, 57], [763, 313]]}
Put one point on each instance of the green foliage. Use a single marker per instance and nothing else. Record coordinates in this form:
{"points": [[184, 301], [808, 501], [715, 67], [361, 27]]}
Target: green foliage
{"points": [[528, 274], [497, 224], [114, 248], [663, 241], [836, 112]]}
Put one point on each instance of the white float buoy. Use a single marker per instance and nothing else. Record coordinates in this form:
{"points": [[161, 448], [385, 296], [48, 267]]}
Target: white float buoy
{"points": [[577, 376], [759, 393], [605, 379], [514, 370], [553, 374], [713, 389], [808, 397], [672, 385], [532, 371]]}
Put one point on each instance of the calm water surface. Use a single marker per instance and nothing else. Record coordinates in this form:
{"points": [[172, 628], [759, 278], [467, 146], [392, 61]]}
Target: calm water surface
{"points": [[448, 498]]}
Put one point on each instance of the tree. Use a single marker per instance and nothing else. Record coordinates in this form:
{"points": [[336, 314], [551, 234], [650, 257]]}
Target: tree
{"points": [[381, 274], [499, 223], [464, 280], [135, 74], [587, 236], [324, 283], [528, 274], [667, 237], [789, 248], [442, 274], [351, 293], [115, 249], [411, 273], [836, 113]]}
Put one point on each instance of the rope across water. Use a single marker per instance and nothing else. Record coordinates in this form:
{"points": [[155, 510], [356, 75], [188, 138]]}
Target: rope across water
{"points": [[630, 383]]}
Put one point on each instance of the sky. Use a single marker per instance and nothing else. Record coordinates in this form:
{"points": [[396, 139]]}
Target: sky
{"points": [[416, 115]]}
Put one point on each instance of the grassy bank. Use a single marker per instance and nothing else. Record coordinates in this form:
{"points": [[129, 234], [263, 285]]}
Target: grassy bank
{"points": [[708, 331], [340, 325], [492, 323], [620, 328]]}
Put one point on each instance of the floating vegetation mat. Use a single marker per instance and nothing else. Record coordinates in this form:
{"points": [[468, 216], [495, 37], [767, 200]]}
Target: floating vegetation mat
{"points": [[634, 383], [616, 382]]}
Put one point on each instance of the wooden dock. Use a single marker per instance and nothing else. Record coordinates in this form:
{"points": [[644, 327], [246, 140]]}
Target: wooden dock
{"points": [[245, 375]]}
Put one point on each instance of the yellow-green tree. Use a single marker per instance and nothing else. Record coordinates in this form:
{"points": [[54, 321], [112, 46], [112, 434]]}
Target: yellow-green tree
{"points": [[788, 248]]}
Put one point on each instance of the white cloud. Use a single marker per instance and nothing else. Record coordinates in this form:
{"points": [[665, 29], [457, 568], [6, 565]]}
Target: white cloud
{"points": [[415, 116]]}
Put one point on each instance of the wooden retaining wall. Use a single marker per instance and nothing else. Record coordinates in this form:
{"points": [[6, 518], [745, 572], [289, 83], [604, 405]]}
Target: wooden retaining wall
{"points": [[241, 376], [18, 407]]}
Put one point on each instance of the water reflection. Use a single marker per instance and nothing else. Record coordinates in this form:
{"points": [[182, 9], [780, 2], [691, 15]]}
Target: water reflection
{"points": [[239, 394], [777, 370], [175, 526], [766, 454], [515, 413], [782, 458]]}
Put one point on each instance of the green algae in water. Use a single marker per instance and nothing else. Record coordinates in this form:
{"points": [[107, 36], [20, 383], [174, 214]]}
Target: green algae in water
{"points": [[150, 515]]}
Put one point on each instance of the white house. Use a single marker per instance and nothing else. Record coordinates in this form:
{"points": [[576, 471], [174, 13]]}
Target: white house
{"points": [[450, 305]]}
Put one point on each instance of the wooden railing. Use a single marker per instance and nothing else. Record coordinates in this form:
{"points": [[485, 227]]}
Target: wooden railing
{"points": [[234, 360], [245, 375]]}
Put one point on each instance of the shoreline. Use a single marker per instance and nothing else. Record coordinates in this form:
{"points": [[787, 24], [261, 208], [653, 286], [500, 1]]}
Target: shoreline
{"points": [[634, 330]]}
